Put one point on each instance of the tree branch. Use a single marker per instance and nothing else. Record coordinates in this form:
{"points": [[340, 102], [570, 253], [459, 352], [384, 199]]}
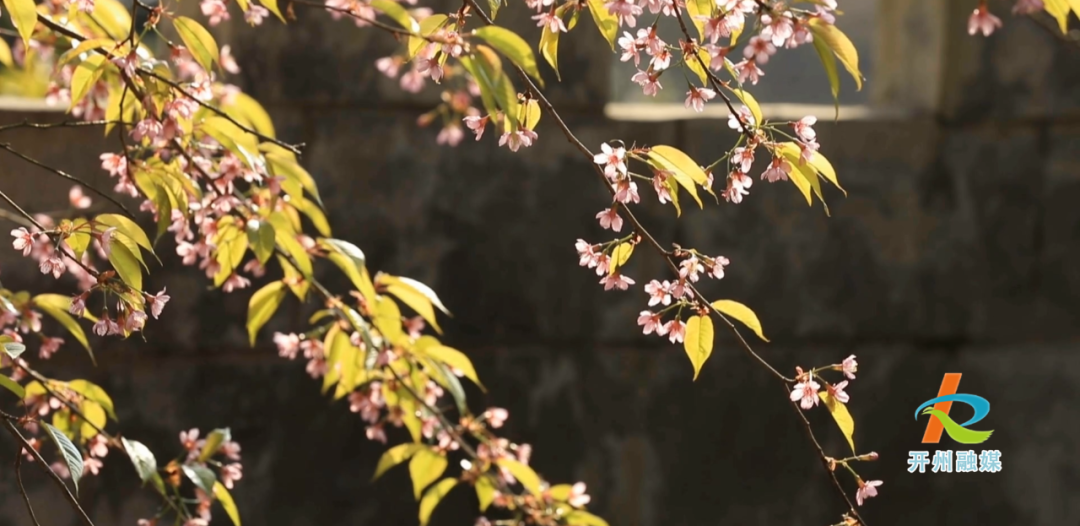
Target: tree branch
{"points": [[67, 176], [22, 489], [52, 474]]}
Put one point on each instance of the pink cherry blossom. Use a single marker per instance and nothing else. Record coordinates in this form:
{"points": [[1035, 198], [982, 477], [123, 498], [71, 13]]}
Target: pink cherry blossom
{"points": [[157, 302], [743, 115], [516, 140], [101, 327], [376, 433], [625, 10], [778, 170], [837, 391], [697, 97], [24, 240], [609, 219], [658, 292], [806, 151], [661, 60], [676, 330], [630, 47], [52, 265], [578, 497], [92, 465], [716, 269], [690, 267], [215, 10], [748, 70], [650, 322], [49, 346], [230, 473], [189, 439], [476, 123], [616, 281], [650, 84], [451, 135], [86, 6], [60, 469], [551, 21], [228, 63], [777, 29], [804, 128], [612, 159], [759, 50], [235, 281], [496, 417], [806, 393], [742, 158], [982, 20], [78, 199], [586, 253], [850, 367], [255, 14], [626, 191], [1028, 7], [866, 490], [98, 446]]}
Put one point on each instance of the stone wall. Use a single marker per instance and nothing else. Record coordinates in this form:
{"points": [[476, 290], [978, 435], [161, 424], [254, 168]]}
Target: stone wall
{"points": [[954, 251]]}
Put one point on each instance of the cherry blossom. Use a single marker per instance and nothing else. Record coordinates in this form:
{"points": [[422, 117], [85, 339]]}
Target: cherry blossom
{"points": [[476, 124], [650, 84], [157, 302], [748, 70], [616, 281], [806, 393], [92, 465], [215, 10], [551, 21], [690, 267], [1028, 7], [496, 416], [626, 191], [697, 97], [255, 14], [578, 497], [49, 345], [778, 170], [630, 47], [230, 473], [650, 323], [517, 139], [78, 199], [837, 391], [804, 128], [658, 292], [866, 490], [24, 240], [675, 330], [742, 158], [777, 29], [612, 159], [625, 10], [849, 366], [759, 50], [716, 268], [609, 219], [743, 115], [983, 21]]}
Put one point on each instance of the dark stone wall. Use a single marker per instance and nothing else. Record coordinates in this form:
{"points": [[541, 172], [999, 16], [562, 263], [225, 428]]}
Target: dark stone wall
{"points": [[954, 251]]}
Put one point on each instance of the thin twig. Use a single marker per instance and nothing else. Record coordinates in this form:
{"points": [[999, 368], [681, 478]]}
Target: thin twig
{"points": [[15, 218], [52, 474], [22, 489], [63, 124], [24, 213], [67, 176], [373, 22]]}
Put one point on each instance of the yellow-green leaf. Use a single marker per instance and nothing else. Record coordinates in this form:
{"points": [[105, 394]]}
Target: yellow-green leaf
{"points": [[426, 467], [394, 456], [606, 22], [262, 306], [842, 417], [427, 26], [698, 341], [10, 385], [247, 110], [828, 61], [96, 393], [524, 474], [698, 66], [696, 8], [792, 153], [198, 40], [549, 49], [685, 171], [416, 295], [5, 55], [433, 497], [46, 304], [226, 501], [513, 47], [620, 256], [85, 76], [673, 191], [584, 518], [397, 13], [83, 47], [233, 138], [841, 45], [213, 443], [454, 359], [530, 114], [93, 417], [261, 239], [127, 227], [126, 264], [1059, 9], [751, 104], [742, 313], [485, 492], [386, 317], [272, 6], [825, 169], [24, 16]]}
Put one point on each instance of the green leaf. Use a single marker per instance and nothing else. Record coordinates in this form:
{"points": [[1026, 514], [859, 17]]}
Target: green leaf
{"points": [[397, 13], [584, 518], [141, 457], [126, 264], [93, 418], [433, 497], [394, 456], [261, 239], [825, 169], [485, 492], [94, 393], [409, 295], [201, 476], [427, 26], [524, 474], [606, 22], [742, 313], [840, 414], [11, 385], [673, 191], [233, 138], [226, 501], [442, 376], [315, 214], [696, 8], [1059, 9], [127, 227], [494, 5], [839, 43], [513, 47], [792, 153], [262, 306], [47, 303], [452, 358], [426, 467], [285, 165], [828, 61], [620, 256], [85, 76], [70, 453], [214, 440], [751, 104], [682, 168], [14, 349], [23, 16], [247, 110], [549, 49], [199, 42], [698, 341], [272, 6], [488, 70], [5, 54]]}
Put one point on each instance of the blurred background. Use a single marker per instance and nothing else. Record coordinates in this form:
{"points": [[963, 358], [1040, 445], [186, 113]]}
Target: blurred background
{"points": [[955, 250]]}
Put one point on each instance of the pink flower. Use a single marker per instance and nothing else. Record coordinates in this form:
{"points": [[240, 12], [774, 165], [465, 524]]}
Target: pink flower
{"points": [[1028, 7], [98, 446], [230, 473], [516, 140], [24, 240], [982, 20], [551, 21], [49, 346], [609, 219], [807, 150], [215, 10], [389, 66], [149, 129], [747, 69], [616, 281], [690, 268], [676, 330], [52, 265], [658, 292], [778, 170], [804, 128], [231, 450], [743, 115], [806, 393], [650, 322], [743, 158], [661, 60], [578, 497], [850, 367], [92, 465], [837, 392], [866, 490], [60, 469], [450, 135], [625, 10], [78, 199], [629, 46], [255, 14], [189, 439], [778, 29], [101, 327], [650, 85], [717, 268], [228, 63], [115, 164], [496, 417], [476, 124], [612, 159], [586, 253], [626, 192], [697, 97], [376, 432], [717, 56], [86, 6], [759, 50], [235, 281]]}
